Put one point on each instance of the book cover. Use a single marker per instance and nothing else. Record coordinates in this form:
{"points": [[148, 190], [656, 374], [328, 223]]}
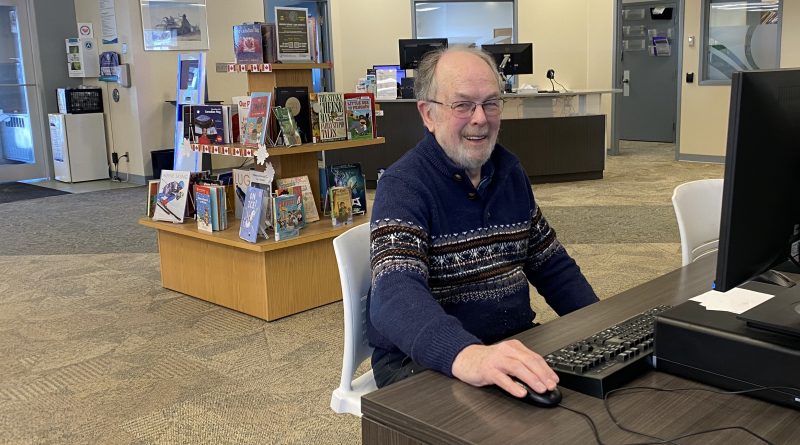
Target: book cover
{"points": [[257, 125], [309, 205], [208, 124], [342, 206], [214, 208], [291, 135], [172, 196], [241, 180], [152, 191], [287, 216], [332, 123], [352, 177], [251, 214], [202, 198], [264, 182], [297, 192], [371, 97], [243, 104], [295, 99], [313, 109], [248, 44], [221, 209], [358, 113]]}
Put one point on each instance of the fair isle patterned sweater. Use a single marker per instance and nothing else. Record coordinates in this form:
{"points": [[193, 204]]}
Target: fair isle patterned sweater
{"points": [[451, 263]]}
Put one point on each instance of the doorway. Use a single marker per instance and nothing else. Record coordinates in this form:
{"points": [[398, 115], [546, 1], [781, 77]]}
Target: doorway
{"points": [[646, 68], [22, 144]]}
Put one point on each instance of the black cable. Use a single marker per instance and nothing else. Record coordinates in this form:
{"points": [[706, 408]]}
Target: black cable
{"points": [[562, 86], [589, 420]]}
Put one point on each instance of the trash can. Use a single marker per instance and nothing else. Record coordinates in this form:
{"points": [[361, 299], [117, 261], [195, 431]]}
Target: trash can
{"points": [[162, 160]]}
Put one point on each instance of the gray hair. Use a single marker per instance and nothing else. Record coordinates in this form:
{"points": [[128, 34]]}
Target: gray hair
{"points": [[425, 82]]}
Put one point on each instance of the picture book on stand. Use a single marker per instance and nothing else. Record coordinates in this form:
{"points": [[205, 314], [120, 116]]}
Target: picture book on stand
{"points": [[202, 199], [352, 177], [257, 125], [251, 215], [287, 216], [342, 206], [172, 196], [295, 99], [360, 113], [243, 104], [308, 196], [297, 191], [263, 181], [291, 135], [152, 192]]}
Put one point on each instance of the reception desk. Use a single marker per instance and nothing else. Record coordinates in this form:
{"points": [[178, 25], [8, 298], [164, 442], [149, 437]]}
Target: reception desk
{"points": [[557, 136]]}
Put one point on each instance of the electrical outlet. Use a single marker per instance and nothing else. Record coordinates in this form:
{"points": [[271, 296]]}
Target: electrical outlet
{"points": [[127, 158], [114, 157]]}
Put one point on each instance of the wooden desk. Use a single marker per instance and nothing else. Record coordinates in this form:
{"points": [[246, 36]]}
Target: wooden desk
{"points": [[431, 408], [268, 279]]}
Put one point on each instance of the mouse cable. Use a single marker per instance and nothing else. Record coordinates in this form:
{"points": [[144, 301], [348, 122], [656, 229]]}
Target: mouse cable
{"points": [[599, 441], [636, 389]]}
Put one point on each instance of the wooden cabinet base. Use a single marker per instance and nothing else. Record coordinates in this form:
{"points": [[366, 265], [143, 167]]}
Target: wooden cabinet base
{"points": [[268, 285]]}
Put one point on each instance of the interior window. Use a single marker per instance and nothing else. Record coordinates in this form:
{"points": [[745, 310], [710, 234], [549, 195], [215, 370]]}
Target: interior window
{"points": [[465, 22]]}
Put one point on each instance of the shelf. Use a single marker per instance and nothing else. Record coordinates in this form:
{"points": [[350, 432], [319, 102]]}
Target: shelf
{"points": [[248, 152], [230, 67], [315, 231]]}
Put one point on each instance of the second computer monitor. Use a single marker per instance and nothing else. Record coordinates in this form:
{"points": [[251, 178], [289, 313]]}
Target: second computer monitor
{"points": [[400, 72], [519, 57], [412, 50]]}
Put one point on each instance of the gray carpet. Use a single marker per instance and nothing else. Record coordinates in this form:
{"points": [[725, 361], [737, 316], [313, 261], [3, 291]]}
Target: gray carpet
{"points": [[19, 191], [94, 350]]}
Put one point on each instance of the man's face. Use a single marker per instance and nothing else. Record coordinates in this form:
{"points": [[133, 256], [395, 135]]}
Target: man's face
{"points": [[467, 141]]}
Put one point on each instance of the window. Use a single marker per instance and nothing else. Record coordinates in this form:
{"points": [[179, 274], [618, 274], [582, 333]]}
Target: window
{"points": [[739, 35], [465, 22]]}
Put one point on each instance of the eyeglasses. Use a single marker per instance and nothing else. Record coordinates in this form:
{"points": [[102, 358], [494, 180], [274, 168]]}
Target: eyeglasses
{"points": [[464, 109]]}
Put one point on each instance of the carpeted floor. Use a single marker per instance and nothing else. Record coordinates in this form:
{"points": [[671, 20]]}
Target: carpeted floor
{"points": [[19, 191], [94, 350]]}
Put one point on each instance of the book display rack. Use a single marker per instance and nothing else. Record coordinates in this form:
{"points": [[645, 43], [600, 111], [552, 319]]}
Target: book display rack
{"points": [[268, 279]]}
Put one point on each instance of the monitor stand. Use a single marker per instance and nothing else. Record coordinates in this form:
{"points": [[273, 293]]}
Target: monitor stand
{"points": [[775, 277]]}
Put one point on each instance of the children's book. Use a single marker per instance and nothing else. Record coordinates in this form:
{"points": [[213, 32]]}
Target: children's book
{"points": [[152, 191], [313, 101], [243, 104], [341, 206], [332, 121], [172, 196], [208, 124], [262, 181], [241, 180], [297, 192], [295, 99], [287, 216], [352, 177], [359, 112], [202, 198], [251, 214], [291, 135], [257, 125], [309, 205], [248, 43]]}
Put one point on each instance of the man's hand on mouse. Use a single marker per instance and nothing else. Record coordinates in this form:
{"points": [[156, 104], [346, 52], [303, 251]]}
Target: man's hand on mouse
{"points": [[481, 365]]}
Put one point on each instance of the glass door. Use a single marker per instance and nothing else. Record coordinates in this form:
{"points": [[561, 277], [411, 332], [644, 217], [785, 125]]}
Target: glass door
{"points": [[22, 144]]}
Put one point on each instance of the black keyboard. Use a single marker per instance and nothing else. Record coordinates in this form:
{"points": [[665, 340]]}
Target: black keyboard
{"points": [[609, 358]]}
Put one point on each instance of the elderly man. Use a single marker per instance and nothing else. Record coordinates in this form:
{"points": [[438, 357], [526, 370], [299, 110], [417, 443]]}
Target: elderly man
{"points": [[455, 238]]}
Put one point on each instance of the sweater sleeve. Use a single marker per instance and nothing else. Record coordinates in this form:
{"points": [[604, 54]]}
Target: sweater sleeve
{"points": [[402, 309], [551, 270]]}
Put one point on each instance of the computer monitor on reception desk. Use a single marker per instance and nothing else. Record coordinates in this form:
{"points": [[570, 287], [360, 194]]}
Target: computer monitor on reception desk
{"points": [[761, 193], [413, 50], [512, 58]]}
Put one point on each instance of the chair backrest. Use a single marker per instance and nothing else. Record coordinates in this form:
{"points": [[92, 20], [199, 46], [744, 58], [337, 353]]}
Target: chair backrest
{"points": [[352, 256], [698, 206]]}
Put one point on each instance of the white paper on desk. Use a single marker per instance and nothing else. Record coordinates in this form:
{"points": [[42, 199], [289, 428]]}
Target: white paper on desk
{"points": [[735, 300]]}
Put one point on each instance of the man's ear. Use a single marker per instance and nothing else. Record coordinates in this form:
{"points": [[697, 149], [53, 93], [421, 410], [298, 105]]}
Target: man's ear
{"points": [[426, 112]]}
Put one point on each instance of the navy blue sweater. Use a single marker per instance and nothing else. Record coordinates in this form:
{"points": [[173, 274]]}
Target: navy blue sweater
{"points": [[451, 263]]}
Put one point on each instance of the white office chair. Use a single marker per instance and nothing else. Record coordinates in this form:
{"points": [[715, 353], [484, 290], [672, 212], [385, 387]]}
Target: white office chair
{"points": [[352, 256], [698, 205]]}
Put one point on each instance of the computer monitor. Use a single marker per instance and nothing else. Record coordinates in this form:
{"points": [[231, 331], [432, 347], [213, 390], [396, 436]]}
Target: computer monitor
{"points": [[401, 73], [761, 192], [412, 50], [512, 58]]}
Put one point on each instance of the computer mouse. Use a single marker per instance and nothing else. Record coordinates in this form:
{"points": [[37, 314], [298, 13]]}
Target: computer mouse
{"points": [[547, 399]]}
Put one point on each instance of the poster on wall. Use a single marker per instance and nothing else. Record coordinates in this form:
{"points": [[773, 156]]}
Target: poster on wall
{"points": [[292, 30], [169, 25]]}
